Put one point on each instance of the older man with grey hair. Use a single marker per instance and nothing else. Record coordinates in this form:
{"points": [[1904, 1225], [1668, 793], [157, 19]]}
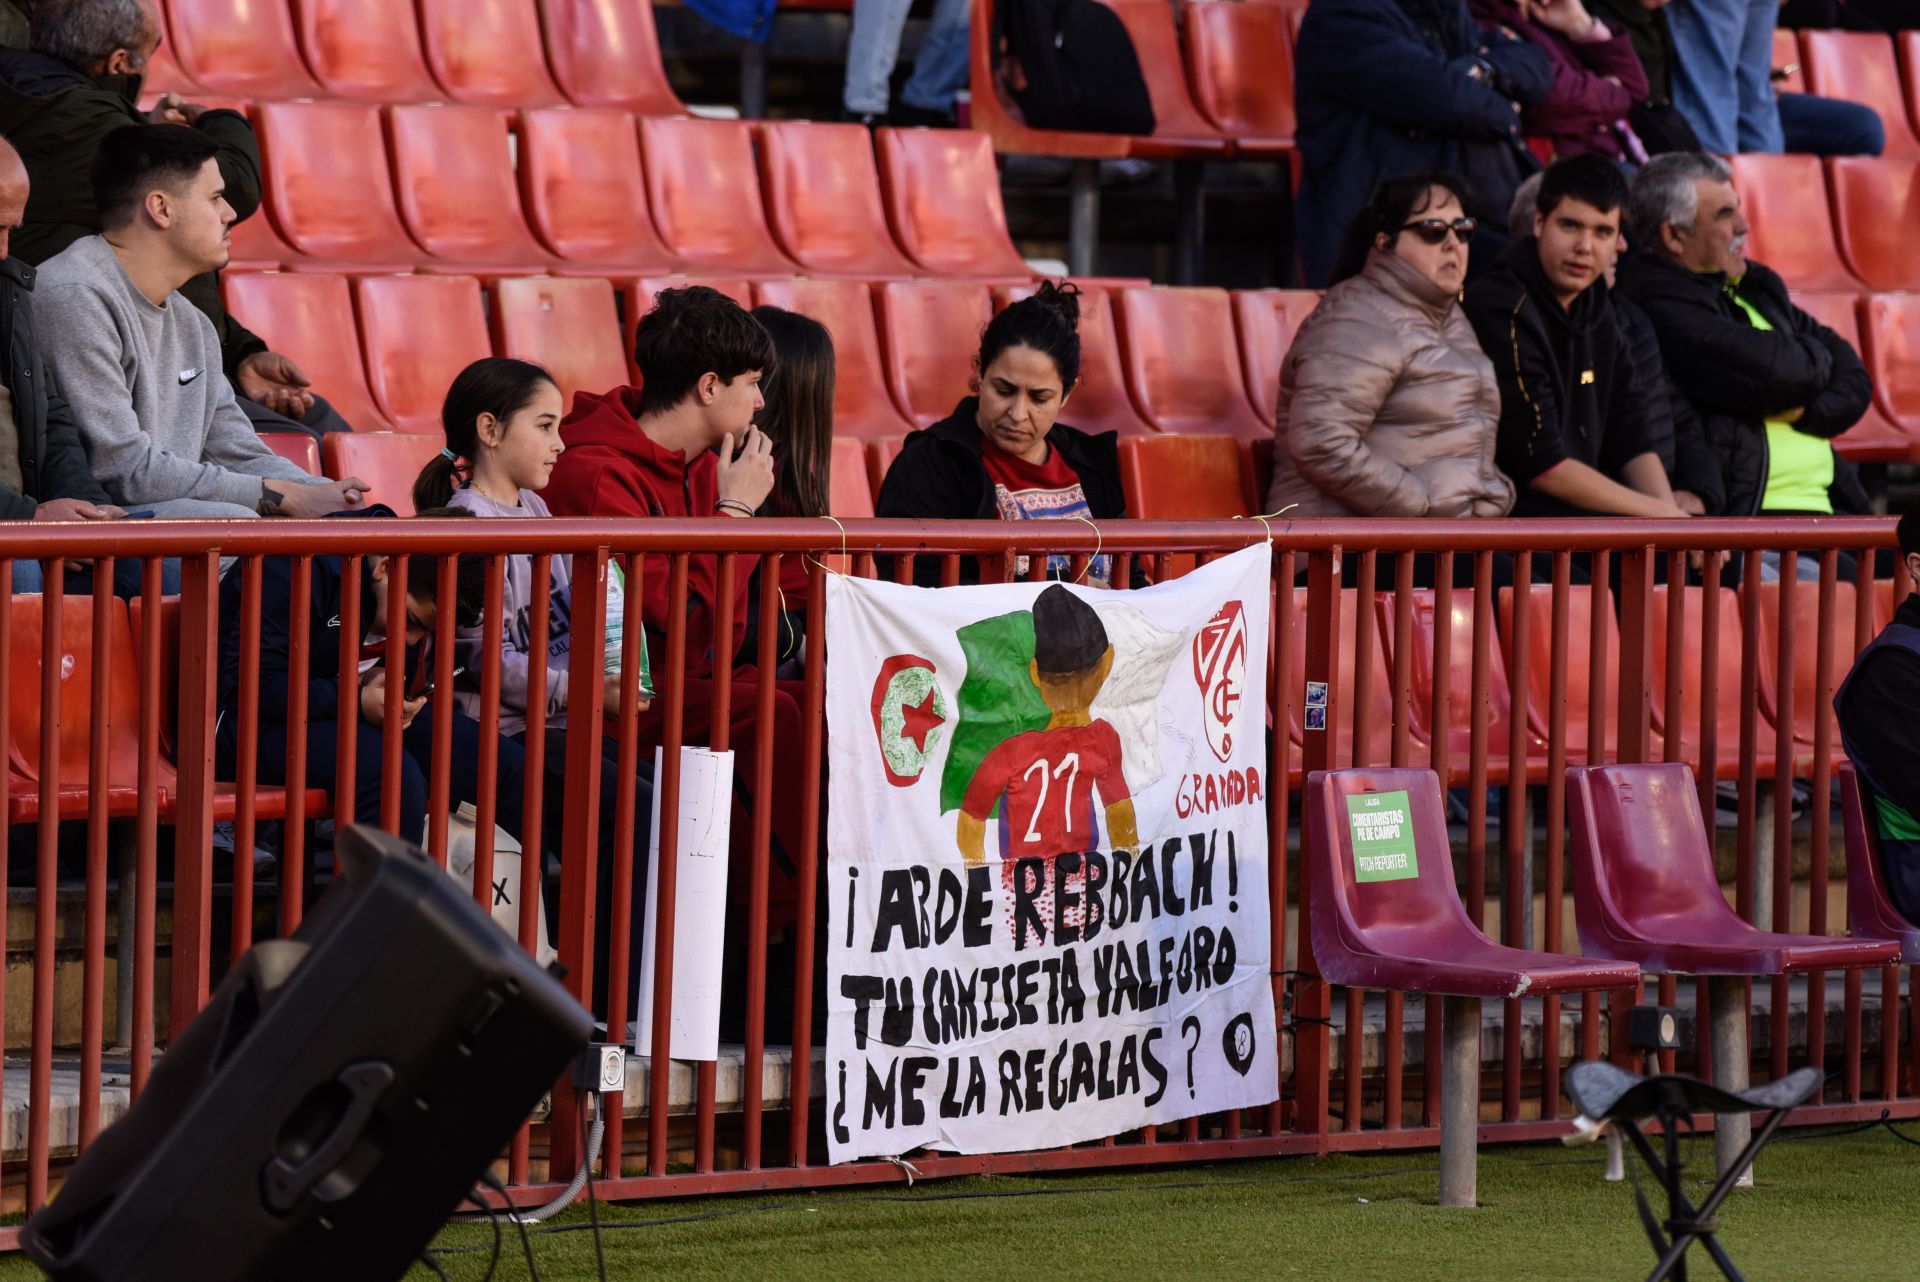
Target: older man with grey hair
{"points": [[1772, 385]]}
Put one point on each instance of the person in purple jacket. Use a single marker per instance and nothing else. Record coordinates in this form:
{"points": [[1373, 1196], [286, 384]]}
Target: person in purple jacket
{"points": [[1597, 77]]}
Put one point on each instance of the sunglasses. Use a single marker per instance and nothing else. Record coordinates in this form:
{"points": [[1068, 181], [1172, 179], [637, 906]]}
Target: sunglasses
{"points": [[1434, 230]]}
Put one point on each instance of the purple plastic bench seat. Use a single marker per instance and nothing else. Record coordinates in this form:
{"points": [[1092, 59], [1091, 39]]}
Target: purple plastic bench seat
{"points": [[1870, 910]]}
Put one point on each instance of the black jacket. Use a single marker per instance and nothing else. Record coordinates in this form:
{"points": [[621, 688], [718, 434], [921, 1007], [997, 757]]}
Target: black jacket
{"points": [[53, 464], [1737, 376], [55, 116], [939, 477], [1568, 385], [1673, 427]]}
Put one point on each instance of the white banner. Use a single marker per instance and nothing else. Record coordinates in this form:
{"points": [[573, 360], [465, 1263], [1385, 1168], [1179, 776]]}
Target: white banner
{"points": [[1047, 860]]}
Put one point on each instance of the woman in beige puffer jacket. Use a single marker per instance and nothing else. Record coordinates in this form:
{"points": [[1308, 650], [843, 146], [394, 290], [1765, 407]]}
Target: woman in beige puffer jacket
{"points": [[1387, 405]]}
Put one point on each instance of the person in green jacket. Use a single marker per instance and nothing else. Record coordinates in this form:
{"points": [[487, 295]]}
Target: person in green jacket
{"points": [[79, 79]]}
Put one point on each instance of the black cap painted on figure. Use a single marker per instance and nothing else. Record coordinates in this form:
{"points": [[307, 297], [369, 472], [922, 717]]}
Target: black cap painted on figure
{"points": [[1068, 636]]}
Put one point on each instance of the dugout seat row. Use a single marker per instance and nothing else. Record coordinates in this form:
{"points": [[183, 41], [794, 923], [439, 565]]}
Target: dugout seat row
{"points": [[497, 53], [599, 192]]}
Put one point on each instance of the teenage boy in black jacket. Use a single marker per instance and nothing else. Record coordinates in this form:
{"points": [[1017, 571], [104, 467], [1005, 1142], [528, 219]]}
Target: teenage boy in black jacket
{"points": [[1772, 385], [1574, 410]]}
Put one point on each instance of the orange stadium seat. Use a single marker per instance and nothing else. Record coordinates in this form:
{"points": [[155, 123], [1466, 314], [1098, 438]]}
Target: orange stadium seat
{"points": [[1179, 128], [695, 168], [943, 195], [1873, 439], [453, 173], [1727, 696], [1266, 321], [848, 496], [930, 330], [25, 715], [571, 326], [257, 247], [880, 457], [1240, 63], [584, 189], [1584, 700], [1786, 53], [389, 462], [1859, 66], [1099, 401], [1806, 656], [240, 48], [1459, 710], [1183, 365], [312, 153], [1909, 42], [1183, 478], [636, 300], [1892, 352], [1876, 203], [608, 55], [367, 50], [297, 448], [487, 52], [1379, 706], [823, 200], [310, 318], [861, 406], [1785, 199], [164, 76], [417, 332]]}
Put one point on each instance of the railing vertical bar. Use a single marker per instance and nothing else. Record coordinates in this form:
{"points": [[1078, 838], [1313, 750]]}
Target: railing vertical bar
{"points": [[394, 663], [147, 829], [46, 883], [1485, 645], [246, 763], [93, 975], [753, 1072], [706, 1074], [1820, 860], [532, 811], [666, 876], [1784, 749], [1440, 754], [1514, 828], [813, 715], [1279, 793], [1553, 901], [293, 851], [1744, 890], [625, 852]]}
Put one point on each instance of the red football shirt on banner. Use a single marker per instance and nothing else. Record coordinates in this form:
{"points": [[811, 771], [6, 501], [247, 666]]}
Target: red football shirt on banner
{"points": [[1045, 781]]}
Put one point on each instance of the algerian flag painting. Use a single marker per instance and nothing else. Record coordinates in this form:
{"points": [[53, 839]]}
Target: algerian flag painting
{"points": [[1047, 836]]}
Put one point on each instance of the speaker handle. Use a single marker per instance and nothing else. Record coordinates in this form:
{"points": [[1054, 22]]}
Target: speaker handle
{"points": [[287, 1182]]}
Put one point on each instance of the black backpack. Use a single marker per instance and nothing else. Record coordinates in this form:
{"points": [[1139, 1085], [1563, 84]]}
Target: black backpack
{"points": [[1070, 64]]}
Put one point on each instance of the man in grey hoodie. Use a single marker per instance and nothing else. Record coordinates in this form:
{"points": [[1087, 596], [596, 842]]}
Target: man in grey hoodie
{"points": [[140, 365]]}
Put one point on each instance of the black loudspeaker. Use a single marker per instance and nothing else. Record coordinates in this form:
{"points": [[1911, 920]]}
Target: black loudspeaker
{"points": [[341, 1092]]}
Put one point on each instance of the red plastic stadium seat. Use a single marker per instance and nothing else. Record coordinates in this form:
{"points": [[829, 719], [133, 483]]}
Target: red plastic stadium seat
{"points": [[389, 462], [1379, 710], [861, 406], [705, 196], [823, 198], [164, 76], [1459, 712], [257, 247], [1099, 401], [453, 172], [1870, 910], [1786, 53], [1002, 121], [606, 53], [1873, 439], [1875, 204], [1240, 63], [636, 300], [1183, 478], [1690, 659], [1859, 66], [930, 330], [417, 333], [240, 48], [571, 326], [297, 448], [943, 195], [1785, 199], [1411, 933], [487, 52], [1179, 129], [581, 179], [1266, 321], [1183, 365], [120, 719], [848, 495], [367, 50], [1645, 890], [880, 457], [312, 155], [1892, 352], [1909, 42], [1807, 703], [310, 318], [1580, 676]]}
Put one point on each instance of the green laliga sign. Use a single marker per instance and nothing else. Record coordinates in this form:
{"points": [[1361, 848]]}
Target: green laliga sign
{"points": [[1382, 837]]}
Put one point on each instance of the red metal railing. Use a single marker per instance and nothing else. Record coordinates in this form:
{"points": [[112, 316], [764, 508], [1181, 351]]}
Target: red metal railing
{"points": [[129, 785]]}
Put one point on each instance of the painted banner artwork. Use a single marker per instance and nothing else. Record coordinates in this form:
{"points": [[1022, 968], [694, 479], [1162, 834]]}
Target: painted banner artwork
{"points": [[1047, 860]]}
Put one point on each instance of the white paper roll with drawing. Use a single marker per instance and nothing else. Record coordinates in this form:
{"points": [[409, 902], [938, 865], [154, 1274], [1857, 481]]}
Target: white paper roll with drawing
{"points": [[699, 906]]}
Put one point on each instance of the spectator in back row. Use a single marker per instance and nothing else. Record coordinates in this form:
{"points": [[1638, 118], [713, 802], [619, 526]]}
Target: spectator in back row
{"points": [[1574, 411], [1387, 405], [1772, 385], [1003, 453], [140, 366], [939, 69], [1597, 78], [59, 99], [1386, 87]]}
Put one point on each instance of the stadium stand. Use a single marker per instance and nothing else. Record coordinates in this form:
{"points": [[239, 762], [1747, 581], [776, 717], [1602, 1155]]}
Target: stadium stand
{"points": [[1179, 129], [571, 326], [1422, 634], [236, 48], [695, 167], [389, 462], [586, 193], [1870, 910], [296, 447], [848, 494], [1859, 66], [823, 201], [1892, 352], [1265, 321], [1691, 676], [417, 333], [365, 50], [1786, 58], [1183, 362], [608, 55], [1808, 705], [929, 330], [1375, 704], [1875, 204], [862, 408], [487, 52], [453, 174], [1785, 200], [1100, 402], [328, 187], [1873, 439], [943, 198], [1587, 691], [1240, 64], [1185, 478], [313, 315], [636, 300]]}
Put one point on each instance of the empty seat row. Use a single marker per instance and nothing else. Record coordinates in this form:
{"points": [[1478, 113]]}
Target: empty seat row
{"points": [[1876, 70], [498, 53], [1837, 224], [439, 188]]}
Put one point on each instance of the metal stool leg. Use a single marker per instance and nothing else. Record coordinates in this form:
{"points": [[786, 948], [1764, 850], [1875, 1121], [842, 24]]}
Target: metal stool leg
{"points": [[1727, 1008], [1460, 1103]]}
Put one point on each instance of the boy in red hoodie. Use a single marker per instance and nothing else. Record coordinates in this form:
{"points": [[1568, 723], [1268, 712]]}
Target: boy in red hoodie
{"points": [[668, 449]]}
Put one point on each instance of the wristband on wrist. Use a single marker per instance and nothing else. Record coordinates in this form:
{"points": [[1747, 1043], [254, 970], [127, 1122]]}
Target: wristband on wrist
{"points": [[732, 505]]}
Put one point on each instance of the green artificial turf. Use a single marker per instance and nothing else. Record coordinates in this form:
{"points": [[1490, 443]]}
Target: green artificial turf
{"points": [[1829, 1207]]}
